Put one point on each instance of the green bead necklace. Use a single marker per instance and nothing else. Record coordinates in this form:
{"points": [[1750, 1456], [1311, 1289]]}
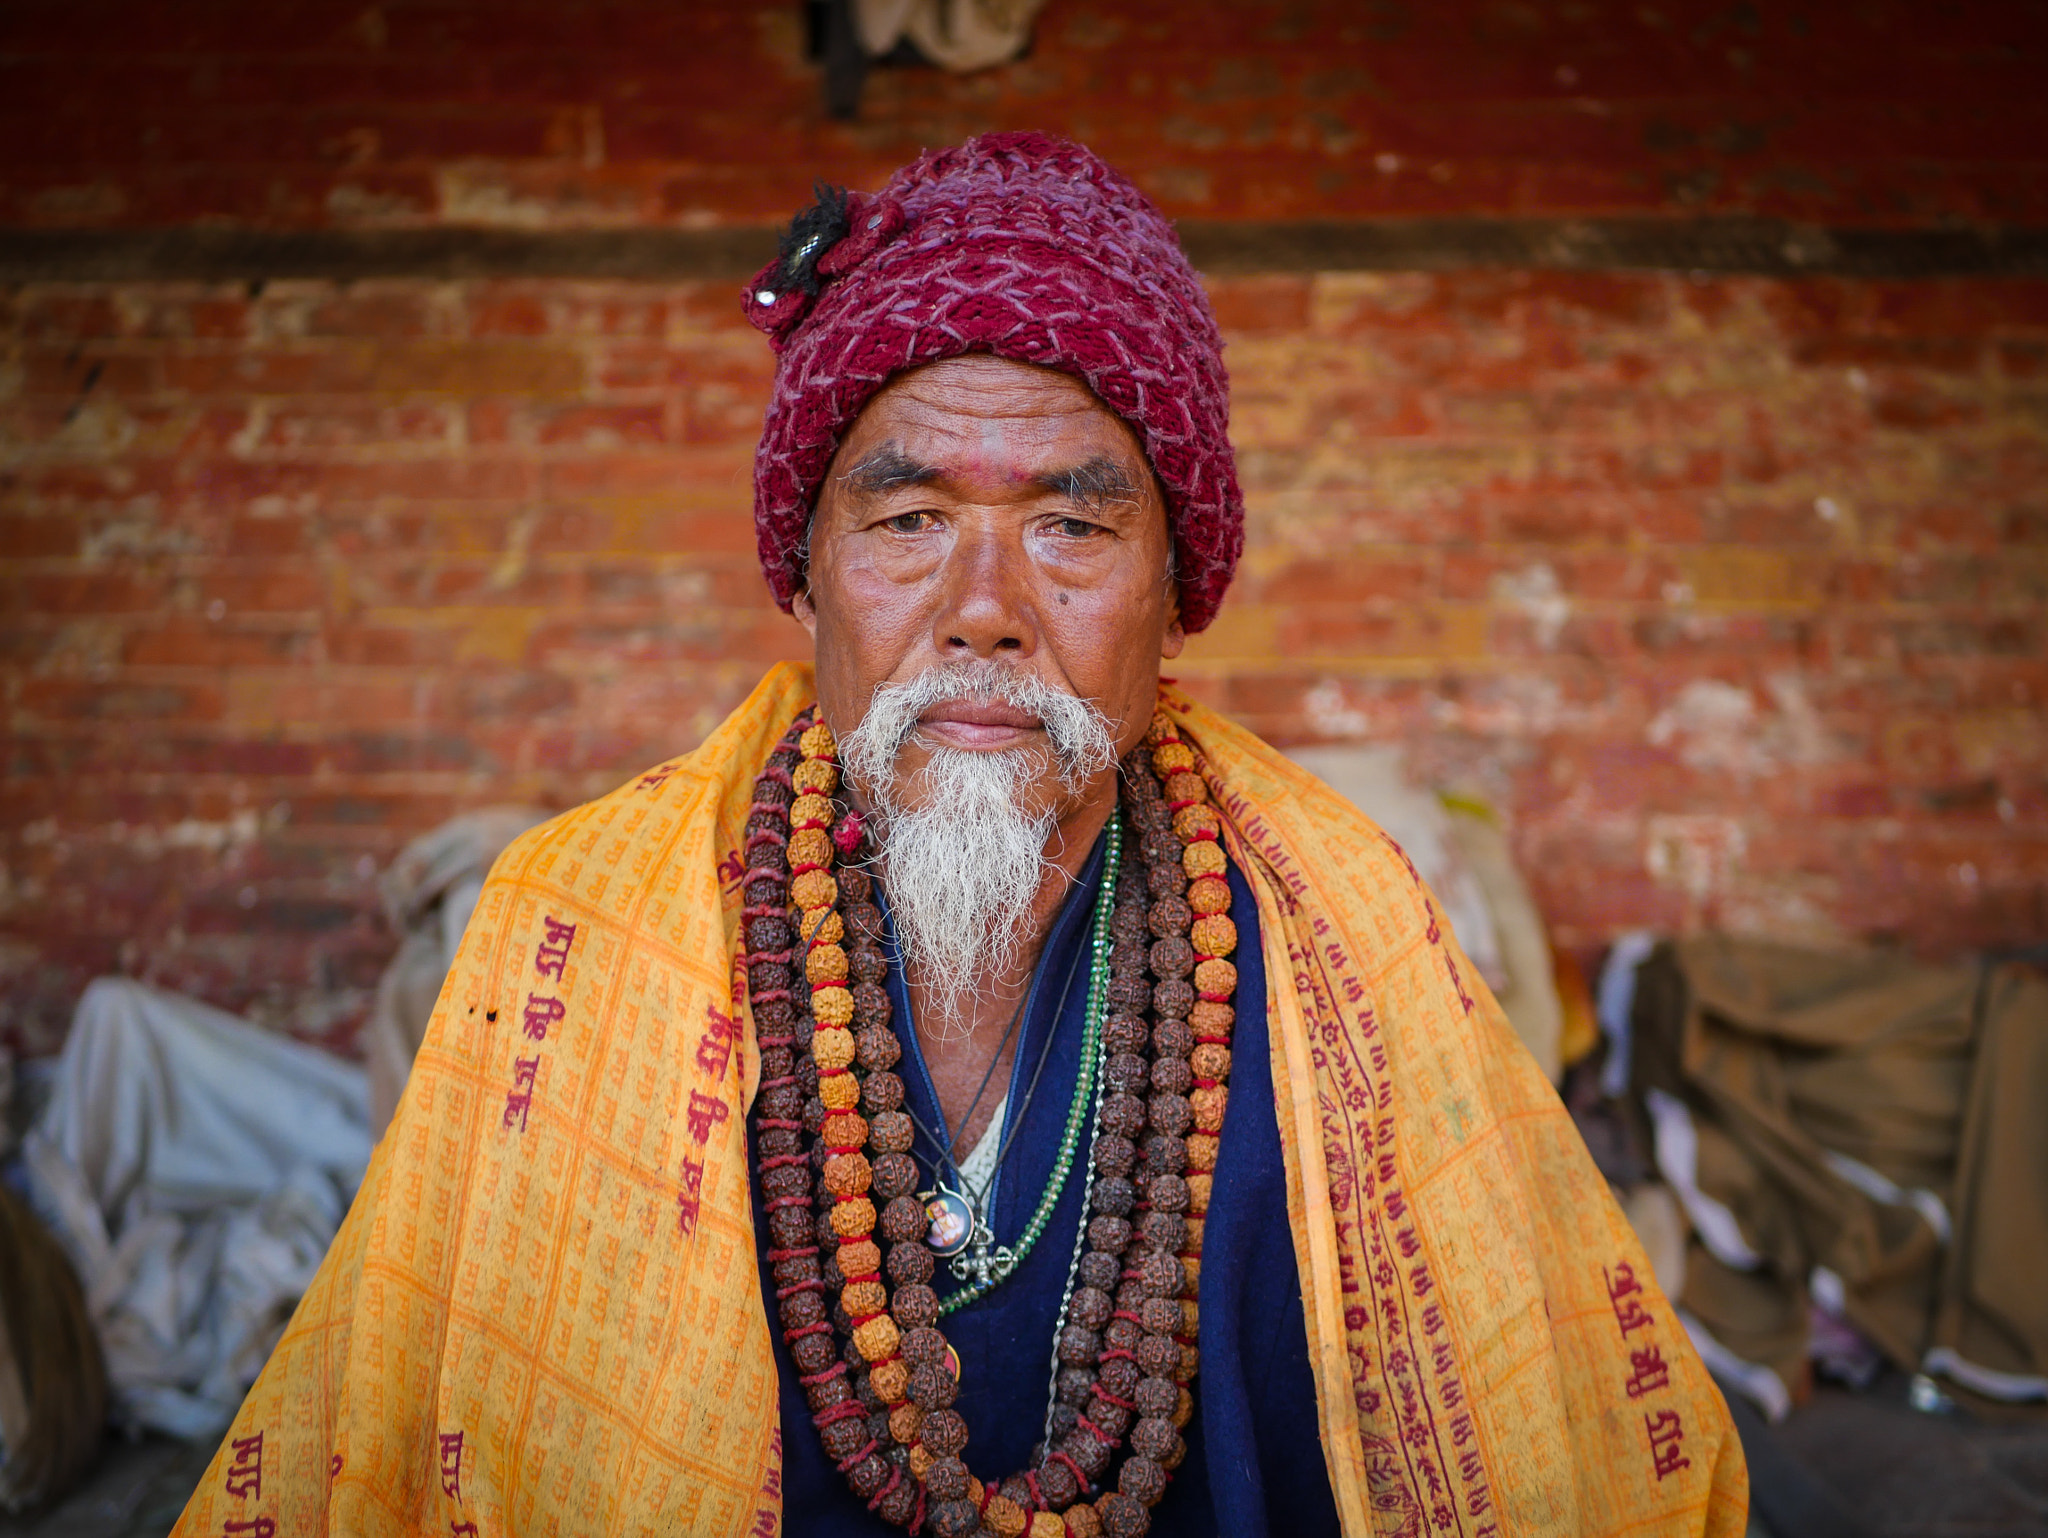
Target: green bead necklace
{"points": [[1085, 1084]]}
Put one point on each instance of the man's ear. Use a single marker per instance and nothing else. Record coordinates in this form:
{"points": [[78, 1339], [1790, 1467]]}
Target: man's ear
{"points": [[806, 612], [1176, 635]]}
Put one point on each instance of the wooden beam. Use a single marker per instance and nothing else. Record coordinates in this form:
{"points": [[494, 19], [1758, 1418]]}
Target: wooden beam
{"points": [[1722, 246]]}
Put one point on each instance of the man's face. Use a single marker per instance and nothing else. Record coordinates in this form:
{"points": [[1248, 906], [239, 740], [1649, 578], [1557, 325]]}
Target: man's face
{"points": [[987, 511]]}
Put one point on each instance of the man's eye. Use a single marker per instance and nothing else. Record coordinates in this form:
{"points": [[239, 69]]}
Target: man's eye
{"points": [[1076, 528], [908, 523]]}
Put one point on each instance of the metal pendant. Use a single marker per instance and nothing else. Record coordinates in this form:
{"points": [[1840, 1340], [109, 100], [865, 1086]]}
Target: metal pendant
{"points": [[953, 1222], [988, 1264], [960, 1237]]}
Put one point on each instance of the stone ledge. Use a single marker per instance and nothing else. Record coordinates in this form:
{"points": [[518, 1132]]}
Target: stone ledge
{"points": [[1721, 246]]}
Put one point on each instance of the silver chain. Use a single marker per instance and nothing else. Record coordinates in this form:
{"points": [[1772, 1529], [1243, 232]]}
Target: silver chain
{"points": [[1102, 944]]}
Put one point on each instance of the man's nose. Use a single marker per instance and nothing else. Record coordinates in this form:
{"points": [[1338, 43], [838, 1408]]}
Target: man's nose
{"points": [[986, 608]]}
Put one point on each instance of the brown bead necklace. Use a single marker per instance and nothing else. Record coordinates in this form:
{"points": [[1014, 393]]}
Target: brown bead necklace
{"points": [[832, 1136]]}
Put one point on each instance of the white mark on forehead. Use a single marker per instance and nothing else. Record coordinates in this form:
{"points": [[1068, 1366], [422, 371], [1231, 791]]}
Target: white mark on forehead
{"points": [[992, 435]]}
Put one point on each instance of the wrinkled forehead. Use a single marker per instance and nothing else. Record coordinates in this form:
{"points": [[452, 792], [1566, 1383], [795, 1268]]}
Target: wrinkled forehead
{"points": [[986, 424]]}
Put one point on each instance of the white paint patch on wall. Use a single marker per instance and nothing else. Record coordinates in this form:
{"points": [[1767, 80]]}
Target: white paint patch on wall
{"points": [[1719, 727], [1536, 591], [1695, 853], [1331, 714]]}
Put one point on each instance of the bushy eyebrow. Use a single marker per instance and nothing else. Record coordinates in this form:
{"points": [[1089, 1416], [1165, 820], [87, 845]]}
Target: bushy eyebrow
{"points": [[888, 469], [1092, 485]]}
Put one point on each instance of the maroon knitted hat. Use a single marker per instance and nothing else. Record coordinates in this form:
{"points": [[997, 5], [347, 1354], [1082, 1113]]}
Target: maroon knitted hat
{"points": [[1019, 245]]}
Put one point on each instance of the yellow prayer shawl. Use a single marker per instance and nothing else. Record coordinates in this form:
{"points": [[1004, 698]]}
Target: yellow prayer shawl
{"points": [[543, 1314]]}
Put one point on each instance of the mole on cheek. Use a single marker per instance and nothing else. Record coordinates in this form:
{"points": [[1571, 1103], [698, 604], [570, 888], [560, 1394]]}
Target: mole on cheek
{"points": [[1064, 597]]}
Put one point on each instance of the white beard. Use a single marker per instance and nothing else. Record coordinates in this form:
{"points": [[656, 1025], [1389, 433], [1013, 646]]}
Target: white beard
{"points": [[965, 860]]}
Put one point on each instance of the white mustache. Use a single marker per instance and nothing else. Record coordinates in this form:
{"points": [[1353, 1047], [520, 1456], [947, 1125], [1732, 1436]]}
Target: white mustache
{"points": [[1083, 741], [965, 857]]}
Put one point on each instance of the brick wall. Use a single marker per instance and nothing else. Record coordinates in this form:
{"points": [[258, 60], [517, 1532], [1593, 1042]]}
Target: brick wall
{"points": [[1729, 592]]}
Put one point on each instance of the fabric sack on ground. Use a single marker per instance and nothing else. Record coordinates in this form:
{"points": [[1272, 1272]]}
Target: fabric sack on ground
{"points": [[1854, 1130], [195, 1168]]}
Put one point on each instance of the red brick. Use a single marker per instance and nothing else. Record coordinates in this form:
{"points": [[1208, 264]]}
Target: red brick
{"points": [[269, 587], [214, 646], [1619, 512], [514, 313], [329, 368], [127, 700], [636, 365], [2027, 360], [72, 374], [1854, 799], [389, 645], [1352, 579], [359, 531], [1510, 633], [602, 428], [1578, 574], [418, 480], [385, 752], [676, 478], [25, 537], [69, 316], [1260, 306], [709, 311], [63, 752], [634, 310], [477, 368], [596, 750], [78, 593], [379, 311]]}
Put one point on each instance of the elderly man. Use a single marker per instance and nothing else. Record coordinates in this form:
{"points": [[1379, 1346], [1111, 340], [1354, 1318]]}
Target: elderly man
{"points": [[978, 1089]]}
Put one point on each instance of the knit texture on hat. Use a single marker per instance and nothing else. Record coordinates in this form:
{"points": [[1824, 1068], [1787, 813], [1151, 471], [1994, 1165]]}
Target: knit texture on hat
{"points": [[1019, 245]]}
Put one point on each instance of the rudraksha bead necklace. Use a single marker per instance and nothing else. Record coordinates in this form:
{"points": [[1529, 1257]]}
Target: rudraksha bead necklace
{"points": [[877, 1373]]}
